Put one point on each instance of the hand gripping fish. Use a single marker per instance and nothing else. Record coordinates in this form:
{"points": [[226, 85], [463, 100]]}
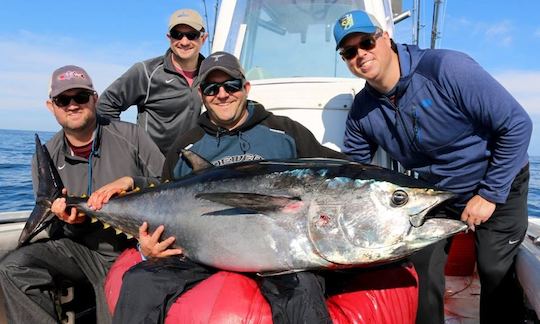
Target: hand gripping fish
{"points": [[272, 216]]}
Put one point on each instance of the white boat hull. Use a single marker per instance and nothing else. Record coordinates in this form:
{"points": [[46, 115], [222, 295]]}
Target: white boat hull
{"points": [[528, 265]]}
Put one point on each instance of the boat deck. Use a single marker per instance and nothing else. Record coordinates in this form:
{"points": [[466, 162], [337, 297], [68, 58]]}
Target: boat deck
{"points": [[462, 300]]}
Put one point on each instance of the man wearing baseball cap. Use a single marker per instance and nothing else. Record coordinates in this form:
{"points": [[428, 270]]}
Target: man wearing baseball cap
{"points": [[441, 115], [163, 88], [88, 153], [233, 129]]}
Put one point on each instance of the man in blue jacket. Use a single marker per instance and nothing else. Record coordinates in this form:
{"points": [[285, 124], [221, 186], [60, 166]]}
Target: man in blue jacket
{"points": [[441, 115]]}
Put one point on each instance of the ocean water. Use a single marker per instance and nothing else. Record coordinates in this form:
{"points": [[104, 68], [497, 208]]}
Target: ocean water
{"points": [[17, 147]]}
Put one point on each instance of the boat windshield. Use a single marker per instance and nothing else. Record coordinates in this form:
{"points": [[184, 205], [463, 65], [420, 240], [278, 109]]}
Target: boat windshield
{"points": [[288, 38]]}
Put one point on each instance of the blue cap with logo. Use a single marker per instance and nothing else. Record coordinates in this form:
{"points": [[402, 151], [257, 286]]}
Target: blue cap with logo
{"points": [[356, 21]]}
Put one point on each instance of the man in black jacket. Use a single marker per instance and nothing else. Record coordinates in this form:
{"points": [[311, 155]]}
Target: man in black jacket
{"points": [[163, 88], [89, 152], [233, 129]]}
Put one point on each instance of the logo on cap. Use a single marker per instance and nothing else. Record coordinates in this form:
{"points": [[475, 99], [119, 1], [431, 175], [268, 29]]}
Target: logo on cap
{"points": [[216, 57], [68, 75], [346, 21]]}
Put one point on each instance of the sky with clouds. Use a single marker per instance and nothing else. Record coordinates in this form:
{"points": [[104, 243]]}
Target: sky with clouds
{"points": [[107, 37]]}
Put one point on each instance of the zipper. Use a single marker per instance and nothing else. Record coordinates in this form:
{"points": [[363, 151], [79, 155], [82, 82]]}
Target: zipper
{"points": [[404, 125]]}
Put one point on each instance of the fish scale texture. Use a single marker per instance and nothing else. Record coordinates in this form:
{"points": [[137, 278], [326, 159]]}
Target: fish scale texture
{"points": [[382, 296]]}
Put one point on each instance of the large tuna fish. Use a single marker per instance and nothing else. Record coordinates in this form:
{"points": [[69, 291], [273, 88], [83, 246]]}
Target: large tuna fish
{"points": [[271, 216]]}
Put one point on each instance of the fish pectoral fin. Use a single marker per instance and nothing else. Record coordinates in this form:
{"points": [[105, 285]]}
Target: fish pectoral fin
{"points": [[253, 201]]}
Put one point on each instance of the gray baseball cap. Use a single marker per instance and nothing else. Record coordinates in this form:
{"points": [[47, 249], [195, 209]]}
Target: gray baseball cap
{"points": [[69, 77], [221, 61]]}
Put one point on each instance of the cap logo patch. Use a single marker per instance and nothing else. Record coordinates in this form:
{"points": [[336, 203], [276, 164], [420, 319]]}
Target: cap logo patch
{"points": [[68, 75], [346, 21], [216, 57]]}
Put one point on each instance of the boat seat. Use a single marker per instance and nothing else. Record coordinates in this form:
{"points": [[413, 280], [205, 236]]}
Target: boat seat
{"points": [[75, 303]]}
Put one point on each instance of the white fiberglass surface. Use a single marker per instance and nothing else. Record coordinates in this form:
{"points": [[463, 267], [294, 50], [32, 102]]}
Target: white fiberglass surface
{"points": [[288, 38]]}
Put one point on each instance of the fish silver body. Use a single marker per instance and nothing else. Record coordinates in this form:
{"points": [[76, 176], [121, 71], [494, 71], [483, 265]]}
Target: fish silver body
{"points": [[272, 216]]}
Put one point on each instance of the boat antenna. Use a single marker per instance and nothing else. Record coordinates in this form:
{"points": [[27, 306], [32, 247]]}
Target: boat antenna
{"points": [[435, 34], [416, 22], [210, 37]]}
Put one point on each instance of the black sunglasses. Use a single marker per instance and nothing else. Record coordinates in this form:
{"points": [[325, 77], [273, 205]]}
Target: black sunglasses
{"points": [[80, 98], [212, 88], [178, 35], [366, 43]]}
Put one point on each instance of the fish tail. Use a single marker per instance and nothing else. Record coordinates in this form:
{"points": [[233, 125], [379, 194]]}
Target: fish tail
{"points": [[49, 188]]}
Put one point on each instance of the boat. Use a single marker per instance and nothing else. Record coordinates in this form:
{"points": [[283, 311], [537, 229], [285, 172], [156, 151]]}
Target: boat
{"points": [[273, 39]]}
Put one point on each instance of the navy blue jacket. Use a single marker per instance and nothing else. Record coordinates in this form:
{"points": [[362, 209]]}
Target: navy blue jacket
{"points": [[263, 136], [452, 123]]}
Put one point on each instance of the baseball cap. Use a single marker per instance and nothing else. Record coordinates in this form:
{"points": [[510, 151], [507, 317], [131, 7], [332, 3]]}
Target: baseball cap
{"points": [[186, 17], [221, 61], [356, 21], [69, 77]]}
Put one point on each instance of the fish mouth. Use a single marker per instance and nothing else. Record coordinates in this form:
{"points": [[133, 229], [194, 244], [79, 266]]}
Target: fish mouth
{"points": [[418, 219], [433, 230]]}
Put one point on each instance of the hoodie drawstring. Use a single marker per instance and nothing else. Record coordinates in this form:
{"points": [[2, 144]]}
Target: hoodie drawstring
{"points": [[219, 132], [244, 144]]}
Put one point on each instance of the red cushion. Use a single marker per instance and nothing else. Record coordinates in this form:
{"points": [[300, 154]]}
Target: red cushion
{"points": [[379, 296]]}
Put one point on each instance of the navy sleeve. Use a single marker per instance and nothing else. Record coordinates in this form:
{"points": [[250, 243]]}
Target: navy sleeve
{"points": [[494, 112]]}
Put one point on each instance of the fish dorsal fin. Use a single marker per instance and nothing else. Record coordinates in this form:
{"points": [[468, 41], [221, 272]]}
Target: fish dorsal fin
{"points": [[253, 201], [196, 161]]}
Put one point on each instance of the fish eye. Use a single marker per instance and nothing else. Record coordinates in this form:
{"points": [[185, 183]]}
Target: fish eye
{"points": [[399, 198]]}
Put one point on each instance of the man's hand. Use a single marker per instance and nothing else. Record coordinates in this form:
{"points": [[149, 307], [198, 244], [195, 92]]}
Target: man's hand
{"points": [[58, 207], [103, 194], [150, 245], [477, 211]]}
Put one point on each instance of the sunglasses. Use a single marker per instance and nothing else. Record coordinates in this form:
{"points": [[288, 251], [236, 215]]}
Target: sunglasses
{"points": [[178, 35], [80, 98], [212, 88], [366, 43]]}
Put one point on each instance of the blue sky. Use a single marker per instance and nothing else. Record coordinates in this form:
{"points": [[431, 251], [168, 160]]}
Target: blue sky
{"points": [[107, 37]]}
